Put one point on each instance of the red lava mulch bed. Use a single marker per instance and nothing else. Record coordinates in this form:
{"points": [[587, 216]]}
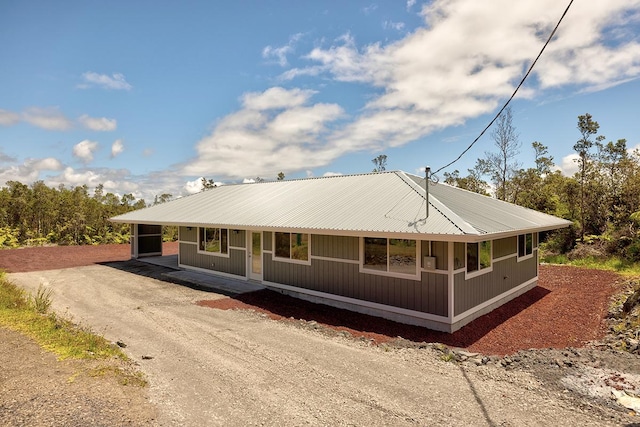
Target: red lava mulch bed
{"points": [[55, 257], [566, 309]]}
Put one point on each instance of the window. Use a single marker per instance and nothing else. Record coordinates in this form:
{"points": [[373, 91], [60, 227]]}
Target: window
{"points": [[213, 240], [525, 245], [390, 255], [478, 256], [293, 246]]}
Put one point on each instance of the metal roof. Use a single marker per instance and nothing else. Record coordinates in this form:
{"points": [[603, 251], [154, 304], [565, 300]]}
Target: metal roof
{"points": [[375, 203]]}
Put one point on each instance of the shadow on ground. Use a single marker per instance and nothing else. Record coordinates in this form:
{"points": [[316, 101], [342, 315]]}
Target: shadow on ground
{"points": [[279, 306], [383, 330], [161, 273]]}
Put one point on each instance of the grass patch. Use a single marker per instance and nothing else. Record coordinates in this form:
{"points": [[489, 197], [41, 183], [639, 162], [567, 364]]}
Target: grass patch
{"points": [[619, 265], [29, 314], [124, 377]]}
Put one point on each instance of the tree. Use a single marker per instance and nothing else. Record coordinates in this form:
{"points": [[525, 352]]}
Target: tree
{"points": [[380, 163], [207, 184], [612, 158], [587, 128], [501, 166], [472, 182], [280, 176], [163, 198], [128, 198], [544, 162]]}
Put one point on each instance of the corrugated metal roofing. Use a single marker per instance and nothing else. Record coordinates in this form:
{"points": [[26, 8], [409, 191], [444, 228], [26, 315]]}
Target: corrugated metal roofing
{"points": [[388, 202]]}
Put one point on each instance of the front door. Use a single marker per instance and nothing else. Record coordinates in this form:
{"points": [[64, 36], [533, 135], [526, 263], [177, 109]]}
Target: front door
{"points": [[255, 255]]}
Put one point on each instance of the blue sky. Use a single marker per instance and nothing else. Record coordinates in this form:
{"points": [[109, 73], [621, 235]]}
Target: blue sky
{"points": [[146, 97]]}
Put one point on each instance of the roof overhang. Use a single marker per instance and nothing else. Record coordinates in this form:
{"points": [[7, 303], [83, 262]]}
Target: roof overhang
{"points": [[463, 238]]}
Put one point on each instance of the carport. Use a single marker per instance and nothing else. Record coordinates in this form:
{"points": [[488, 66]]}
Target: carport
{"points": [[146, 240]]}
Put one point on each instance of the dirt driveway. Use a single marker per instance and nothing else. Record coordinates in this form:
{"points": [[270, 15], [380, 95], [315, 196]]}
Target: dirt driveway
{"points": [[231, 367]]}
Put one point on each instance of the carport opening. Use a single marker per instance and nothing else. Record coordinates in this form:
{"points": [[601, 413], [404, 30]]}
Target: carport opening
{"points": [[146, 240]]}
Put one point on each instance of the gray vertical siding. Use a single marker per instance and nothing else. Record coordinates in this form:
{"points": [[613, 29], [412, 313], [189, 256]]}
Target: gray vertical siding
{"points": [[237, 238], [504, 247], [234, 264], [342, 247], [189, 234], [440, 250], [343, 278], [506, 275], [266, 241]]}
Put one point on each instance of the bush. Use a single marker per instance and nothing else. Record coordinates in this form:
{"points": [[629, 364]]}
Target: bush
{"points": [[632, 252], [584, 250], [9, 237], [559, 241]]}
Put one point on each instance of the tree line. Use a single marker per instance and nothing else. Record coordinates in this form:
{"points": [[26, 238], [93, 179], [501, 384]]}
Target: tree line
{"points": [[602, 198], [37, 215]]}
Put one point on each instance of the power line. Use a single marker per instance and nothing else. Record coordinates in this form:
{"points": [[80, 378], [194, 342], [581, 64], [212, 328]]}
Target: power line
{"points": [[513, 94]]}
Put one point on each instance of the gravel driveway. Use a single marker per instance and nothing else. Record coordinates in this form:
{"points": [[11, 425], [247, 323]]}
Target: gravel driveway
{"points": [[229, 367]]}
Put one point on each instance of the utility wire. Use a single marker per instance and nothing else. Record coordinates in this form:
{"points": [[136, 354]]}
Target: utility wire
{"points": [[512, 95]]}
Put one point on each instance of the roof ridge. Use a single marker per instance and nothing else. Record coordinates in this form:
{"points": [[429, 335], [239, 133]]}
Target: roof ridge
{"points": [[461, 225]]}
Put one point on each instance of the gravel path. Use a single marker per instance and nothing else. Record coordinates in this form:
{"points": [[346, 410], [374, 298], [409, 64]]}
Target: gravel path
{"points": [[215, 367], [567, 307]]}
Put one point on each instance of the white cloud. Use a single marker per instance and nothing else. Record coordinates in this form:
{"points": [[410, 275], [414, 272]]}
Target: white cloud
{"points": [[117, 181], [74, 178], [276, 97], [390, 25], [328, 173], [195, 186], [5, 158], [84, 150], [369, 9], [279, 54], [116, 148], [273, 127], [468, 58], [115, 81], [49, 118], [569, 164], [101, 124], [410, 4], [8, 118], [46, 164], [464, 62], [29, 171]]}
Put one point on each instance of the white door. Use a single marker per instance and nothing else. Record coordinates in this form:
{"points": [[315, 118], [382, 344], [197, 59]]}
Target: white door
{"points": [[254, 246]]}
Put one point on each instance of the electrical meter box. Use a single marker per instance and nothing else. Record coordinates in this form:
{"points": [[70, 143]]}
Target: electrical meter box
{"points": [[429, 263]]}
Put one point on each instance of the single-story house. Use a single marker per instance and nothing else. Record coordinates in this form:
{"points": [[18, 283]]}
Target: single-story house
{"points": [[369, 243]]}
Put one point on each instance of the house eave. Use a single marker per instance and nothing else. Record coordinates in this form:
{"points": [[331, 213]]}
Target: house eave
{"points": [[462, 237]]}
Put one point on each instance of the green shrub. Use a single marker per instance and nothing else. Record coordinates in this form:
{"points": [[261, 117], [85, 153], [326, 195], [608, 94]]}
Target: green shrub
{"points": [[41, 301], [9, 237]]}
